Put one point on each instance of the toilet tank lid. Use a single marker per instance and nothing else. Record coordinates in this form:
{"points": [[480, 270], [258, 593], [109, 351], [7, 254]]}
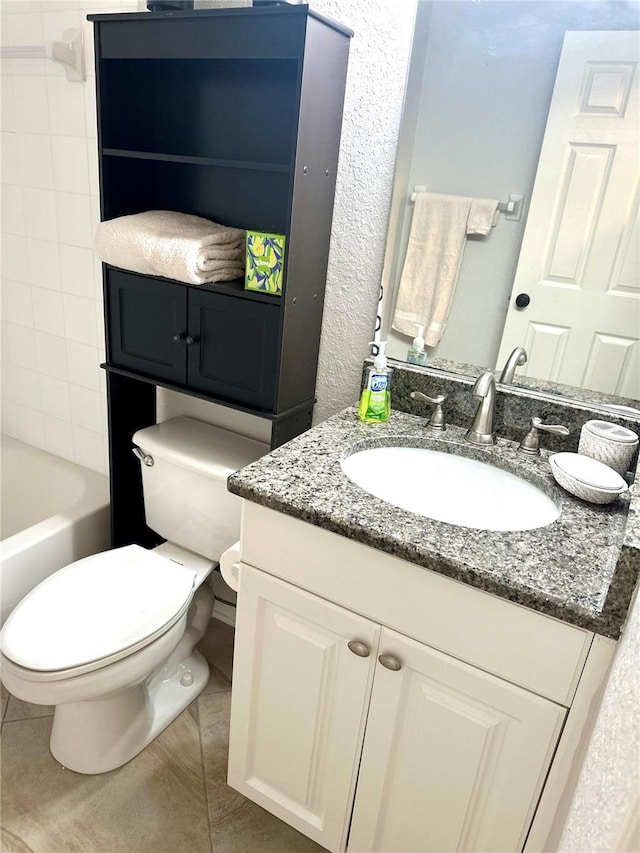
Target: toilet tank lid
{"points": [[103, 606], [198, 446]]}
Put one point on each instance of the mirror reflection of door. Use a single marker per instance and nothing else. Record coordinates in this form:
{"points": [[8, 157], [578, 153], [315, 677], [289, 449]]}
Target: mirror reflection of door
{"points": [[581, 243]]}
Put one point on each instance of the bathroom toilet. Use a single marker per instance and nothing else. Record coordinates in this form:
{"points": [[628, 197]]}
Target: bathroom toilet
{"points": [[109, 640]]}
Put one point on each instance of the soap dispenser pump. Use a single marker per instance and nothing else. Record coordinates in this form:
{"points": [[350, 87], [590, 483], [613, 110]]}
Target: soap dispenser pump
{"points": [[416, 353], [375, 401]]}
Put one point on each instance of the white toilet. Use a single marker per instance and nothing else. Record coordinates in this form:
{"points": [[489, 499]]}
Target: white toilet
{"points": [[109, 639]]}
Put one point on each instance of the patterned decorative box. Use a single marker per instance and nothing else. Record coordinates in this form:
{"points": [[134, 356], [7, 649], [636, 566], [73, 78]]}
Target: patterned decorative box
{"points": [[265, 262]]}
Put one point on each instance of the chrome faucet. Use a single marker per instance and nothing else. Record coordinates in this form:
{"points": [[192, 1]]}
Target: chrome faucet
{"points": [[517, 358], [481, 431]]}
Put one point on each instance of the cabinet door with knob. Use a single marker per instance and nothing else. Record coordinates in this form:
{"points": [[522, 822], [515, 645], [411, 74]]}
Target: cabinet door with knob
{"points": [[453, 758], [329, 706], [213, 343], [302, 677]]}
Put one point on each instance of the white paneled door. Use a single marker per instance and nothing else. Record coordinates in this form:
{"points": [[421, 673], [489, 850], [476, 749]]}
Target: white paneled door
{"points": [[580, 258]]}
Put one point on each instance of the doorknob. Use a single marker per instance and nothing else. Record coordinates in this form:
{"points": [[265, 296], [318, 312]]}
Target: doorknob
{"points": [[522, 300]]}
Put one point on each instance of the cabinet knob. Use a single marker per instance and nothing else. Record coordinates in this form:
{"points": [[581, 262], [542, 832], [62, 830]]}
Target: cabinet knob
{"points": [[189, 340], [390, 662], [358, 648], [176, 339]]}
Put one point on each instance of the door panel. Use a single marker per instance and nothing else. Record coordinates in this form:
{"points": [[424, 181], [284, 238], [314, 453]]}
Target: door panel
{"points": [[454, 758], [145, 315], [299, 704], [235, 349], [579, 260]]}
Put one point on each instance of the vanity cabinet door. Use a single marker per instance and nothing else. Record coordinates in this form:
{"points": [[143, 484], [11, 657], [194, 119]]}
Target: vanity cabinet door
{"points": [[453, 758], [299, 704]]}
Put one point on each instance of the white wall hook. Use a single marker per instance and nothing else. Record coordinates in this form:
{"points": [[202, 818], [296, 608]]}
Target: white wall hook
{"points": [[70, 53]]}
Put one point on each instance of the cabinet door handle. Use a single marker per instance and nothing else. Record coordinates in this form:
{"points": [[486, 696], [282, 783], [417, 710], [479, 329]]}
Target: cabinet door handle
{"points": [[179, 337], [358, 648], [390, 662], [189, 340]]}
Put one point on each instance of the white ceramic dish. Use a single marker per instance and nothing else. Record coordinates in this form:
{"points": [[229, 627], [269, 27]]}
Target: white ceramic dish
{"points": [[587, 478]]}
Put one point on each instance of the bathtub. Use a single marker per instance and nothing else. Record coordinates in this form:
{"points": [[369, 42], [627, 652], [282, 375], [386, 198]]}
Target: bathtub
{"points": [[53, 512]]}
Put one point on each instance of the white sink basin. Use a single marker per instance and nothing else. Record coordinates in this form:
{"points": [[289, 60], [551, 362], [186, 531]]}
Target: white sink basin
{"points": [[450, 488]]}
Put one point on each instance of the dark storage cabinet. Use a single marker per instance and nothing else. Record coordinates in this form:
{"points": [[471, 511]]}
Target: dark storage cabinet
{"points": [[233, 115], [183, 335]]}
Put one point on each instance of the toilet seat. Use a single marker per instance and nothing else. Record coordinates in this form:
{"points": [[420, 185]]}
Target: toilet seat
{"points": [[96, 611]]}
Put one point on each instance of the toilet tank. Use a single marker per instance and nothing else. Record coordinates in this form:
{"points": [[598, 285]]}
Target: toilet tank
{"points": [[185, 487]]}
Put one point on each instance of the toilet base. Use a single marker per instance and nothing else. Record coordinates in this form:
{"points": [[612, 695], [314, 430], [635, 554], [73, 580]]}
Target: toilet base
{"points": [[100, 735]]}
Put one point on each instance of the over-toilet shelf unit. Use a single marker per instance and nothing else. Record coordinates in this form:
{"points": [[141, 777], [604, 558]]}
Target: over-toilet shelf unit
{"points": [[232, 114]]}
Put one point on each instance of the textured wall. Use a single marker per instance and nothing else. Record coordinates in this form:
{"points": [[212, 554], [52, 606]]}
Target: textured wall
{"points": [[378, 63], [610, 778]]}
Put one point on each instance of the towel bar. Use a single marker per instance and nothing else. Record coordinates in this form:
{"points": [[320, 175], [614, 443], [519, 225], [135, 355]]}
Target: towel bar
{"points": [[512, 208]]}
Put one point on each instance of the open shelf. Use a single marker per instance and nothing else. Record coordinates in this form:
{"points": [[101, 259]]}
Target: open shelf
{"points": [[195, 161]]}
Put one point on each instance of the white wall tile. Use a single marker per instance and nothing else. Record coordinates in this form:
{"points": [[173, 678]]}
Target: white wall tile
{"points": [[88, 448], [22, 28], [90, 108], [58, 437], [10, 159], [77, 269], [48, 312], [30, 426], [70, 164], [36, 163], [87, 408], [9, 418], [16, 303], [7, 104], [12, 210], [24, 387], [55, 398], [31, 104], [74, 219], [67, 107], [21, 342], [80, 319], [40, 214], [44, 263], [15, 263], [83, 366], [52, 355]]}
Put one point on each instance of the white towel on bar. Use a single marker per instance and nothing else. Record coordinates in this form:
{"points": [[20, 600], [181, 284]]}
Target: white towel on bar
{"points": [[439, 229], [174, 245]]}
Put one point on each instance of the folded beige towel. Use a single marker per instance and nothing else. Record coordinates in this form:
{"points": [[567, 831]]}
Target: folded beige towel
{"points": [[175, 245], [439, 229]]}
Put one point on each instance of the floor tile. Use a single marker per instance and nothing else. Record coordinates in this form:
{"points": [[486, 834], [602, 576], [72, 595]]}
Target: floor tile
{"points": [[4, 698], [155, 803], [237, 825], [18, 709]]}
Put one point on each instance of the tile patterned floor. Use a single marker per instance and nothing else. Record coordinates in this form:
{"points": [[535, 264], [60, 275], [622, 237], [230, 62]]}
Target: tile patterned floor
{"points": [[172, 798]]}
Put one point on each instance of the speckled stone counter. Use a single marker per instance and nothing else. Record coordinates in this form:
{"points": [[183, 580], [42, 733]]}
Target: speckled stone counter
{"points": [[581, 569]]}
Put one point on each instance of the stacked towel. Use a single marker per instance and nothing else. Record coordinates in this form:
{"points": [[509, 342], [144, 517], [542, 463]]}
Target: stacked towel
{"points": [[175, 245]]}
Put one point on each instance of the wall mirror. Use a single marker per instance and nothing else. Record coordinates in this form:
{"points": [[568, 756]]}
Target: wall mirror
{"points": [[485, 110]]}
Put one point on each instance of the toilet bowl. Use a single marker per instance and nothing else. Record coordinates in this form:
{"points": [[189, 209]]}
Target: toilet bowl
{"points": [[109, 640]]}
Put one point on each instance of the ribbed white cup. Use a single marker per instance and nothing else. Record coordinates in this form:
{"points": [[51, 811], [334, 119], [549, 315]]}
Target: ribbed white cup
{"points": [[608, 443]]}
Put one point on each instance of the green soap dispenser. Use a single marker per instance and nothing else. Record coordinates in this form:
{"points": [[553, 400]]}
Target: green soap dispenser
{"points": [[375, 401]]}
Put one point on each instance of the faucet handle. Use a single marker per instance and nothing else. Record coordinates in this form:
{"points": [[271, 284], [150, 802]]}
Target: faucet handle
{"points": [[436, 421], [530, 444]]}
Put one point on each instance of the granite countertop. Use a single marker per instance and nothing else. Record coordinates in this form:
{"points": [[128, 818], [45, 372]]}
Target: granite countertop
{"points": [[581, 569]]}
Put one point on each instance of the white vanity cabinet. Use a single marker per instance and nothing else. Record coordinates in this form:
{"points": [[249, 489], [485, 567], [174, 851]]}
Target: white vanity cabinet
{"points": [[368, 729]]}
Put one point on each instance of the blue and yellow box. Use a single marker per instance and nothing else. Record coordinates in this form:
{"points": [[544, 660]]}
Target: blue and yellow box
{"points": [[265, 262]]}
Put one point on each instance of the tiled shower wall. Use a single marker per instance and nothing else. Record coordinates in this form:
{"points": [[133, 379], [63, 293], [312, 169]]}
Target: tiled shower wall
{"points": [[53, 390]]}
